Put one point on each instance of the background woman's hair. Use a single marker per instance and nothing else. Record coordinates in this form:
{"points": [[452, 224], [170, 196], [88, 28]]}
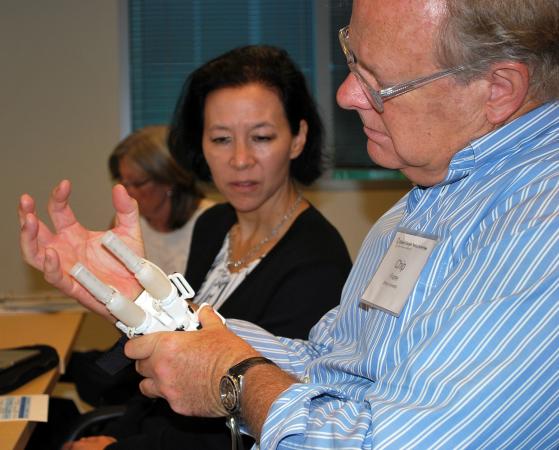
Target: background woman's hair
{"points": [[269, 66], [147, 148]]}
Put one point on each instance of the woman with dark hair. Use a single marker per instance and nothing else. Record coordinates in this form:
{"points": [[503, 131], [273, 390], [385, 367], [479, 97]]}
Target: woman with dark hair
{"points": [[269, 67], [167, 195], [247, 122]]}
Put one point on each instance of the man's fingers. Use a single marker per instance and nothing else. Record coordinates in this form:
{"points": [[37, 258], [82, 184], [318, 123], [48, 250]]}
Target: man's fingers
{"points": [[127, 214], [26, 206], [29, 242], [208, 317], [149, 388], [141, 347], [27, 214], [58, 207], [54, 274]]}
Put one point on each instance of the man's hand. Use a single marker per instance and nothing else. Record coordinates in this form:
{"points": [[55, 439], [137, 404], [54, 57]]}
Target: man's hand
{"points": [[185, 368], [55, 252]]}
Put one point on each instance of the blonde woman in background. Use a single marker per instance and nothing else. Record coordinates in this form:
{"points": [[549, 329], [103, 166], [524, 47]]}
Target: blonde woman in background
{"points": [[167, 196]]}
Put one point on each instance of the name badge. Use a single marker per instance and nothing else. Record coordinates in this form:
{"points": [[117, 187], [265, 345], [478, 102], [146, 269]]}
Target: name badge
{"points": [[398, 272]]}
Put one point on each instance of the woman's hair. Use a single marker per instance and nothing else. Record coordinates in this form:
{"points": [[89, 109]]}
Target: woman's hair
{"points": [[147, 148], [269, 66], [477, 33]]}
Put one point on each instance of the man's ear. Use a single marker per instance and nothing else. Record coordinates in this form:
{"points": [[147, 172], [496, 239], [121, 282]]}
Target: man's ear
{"points": [[509, 82]]}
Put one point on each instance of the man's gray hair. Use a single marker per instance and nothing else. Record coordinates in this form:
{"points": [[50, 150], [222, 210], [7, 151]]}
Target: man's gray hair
{"points": [[478, 33]]}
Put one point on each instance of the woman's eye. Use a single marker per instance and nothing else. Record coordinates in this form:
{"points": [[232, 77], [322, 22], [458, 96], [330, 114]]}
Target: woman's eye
{"points": [[220, 140], [263, 138]]}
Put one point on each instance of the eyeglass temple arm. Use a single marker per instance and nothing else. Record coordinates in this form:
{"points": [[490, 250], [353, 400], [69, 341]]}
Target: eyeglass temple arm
{"points": [[403, 88]]}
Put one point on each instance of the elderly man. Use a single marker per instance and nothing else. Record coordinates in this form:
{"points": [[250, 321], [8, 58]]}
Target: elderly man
{"points": [[448, 327]]}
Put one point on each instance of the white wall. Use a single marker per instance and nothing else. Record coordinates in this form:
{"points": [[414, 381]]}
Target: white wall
{"points": [[60, 118], [59, 115]]}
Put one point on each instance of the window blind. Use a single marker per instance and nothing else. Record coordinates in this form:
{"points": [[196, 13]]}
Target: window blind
{"points": [[171, 38], [168, 39]]}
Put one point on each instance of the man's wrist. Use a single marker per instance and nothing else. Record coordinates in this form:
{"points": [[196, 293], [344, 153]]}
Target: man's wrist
{"points": [[263, 385], [231, 384]]}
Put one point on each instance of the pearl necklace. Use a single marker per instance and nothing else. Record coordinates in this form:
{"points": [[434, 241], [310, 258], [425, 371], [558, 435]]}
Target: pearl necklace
{"points": [[235, 264]]}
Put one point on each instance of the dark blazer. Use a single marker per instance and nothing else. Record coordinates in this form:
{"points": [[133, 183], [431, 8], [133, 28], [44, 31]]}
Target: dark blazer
{"points": [[293, 286]]}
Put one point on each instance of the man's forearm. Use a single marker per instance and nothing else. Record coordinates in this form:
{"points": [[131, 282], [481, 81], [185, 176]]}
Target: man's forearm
{"points": [[261, 387]]}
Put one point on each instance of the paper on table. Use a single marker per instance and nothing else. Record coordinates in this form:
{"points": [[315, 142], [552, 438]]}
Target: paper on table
{"points": [[24, 407]]}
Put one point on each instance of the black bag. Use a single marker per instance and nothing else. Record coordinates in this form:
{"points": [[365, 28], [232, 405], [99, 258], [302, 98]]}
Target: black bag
{"points": [[18, 365]]}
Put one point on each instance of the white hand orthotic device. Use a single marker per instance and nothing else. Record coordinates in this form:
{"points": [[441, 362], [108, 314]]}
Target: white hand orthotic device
{"points": [[162, 306]]}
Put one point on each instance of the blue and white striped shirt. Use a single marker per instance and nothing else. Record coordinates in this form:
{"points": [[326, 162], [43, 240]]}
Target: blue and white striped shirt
{"points": [[473, 360]]}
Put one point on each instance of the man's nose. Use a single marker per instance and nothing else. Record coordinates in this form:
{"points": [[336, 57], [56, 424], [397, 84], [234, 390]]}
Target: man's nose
{"points": [[350, 94]]}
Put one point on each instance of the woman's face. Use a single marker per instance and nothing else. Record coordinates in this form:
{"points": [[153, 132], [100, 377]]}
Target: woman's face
{"points": [[248, 144], [152, 197]]}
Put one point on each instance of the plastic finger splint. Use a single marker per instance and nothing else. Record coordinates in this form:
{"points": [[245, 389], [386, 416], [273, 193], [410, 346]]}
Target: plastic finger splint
{"points": [[162, 306]]}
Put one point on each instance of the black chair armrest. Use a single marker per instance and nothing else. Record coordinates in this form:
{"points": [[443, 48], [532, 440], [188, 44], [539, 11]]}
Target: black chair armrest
{"points": [[91, 418]]}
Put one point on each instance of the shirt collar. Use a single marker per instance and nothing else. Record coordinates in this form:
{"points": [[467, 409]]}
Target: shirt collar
{"points": [[494, 146], [502, 142]]}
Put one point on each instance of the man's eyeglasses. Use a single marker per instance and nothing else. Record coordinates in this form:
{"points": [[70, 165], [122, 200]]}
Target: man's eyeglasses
{"points": [[377, 97]]}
